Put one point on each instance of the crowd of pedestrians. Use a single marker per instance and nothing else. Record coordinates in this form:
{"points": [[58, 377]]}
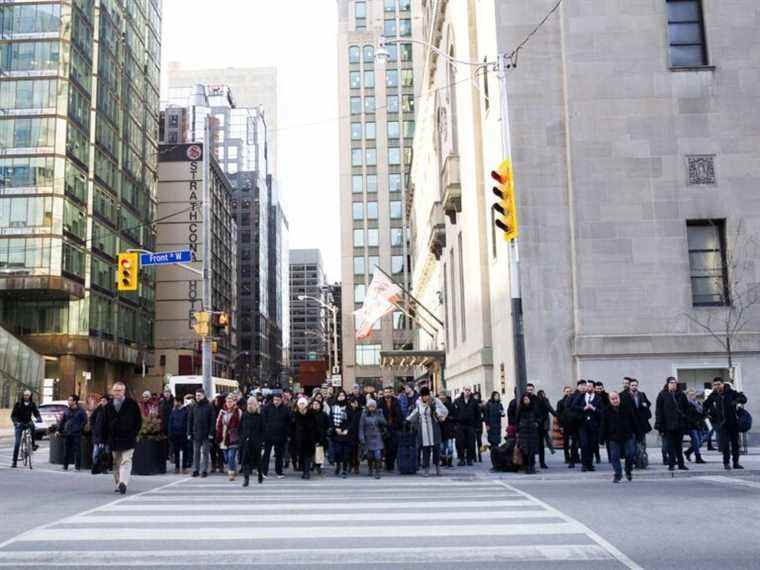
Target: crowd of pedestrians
{"points": [[410, 431]]}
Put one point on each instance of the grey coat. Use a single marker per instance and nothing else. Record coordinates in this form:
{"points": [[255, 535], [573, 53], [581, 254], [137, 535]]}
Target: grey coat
{"points": [[428, 424], [371, 427]]}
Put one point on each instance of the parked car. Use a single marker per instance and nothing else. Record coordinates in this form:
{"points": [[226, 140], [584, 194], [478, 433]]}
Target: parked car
{"points": [[51, 413]]}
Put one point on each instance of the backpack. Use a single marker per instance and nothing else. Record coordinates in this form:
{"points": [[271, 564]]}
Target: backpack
{"points": [[743, 420]]}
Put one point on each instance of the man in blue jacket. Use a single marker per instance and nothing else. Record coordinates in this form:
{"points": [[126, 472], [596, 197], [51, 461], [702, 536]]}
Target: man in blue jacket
{"points": [[74, 420], [588, 407]]}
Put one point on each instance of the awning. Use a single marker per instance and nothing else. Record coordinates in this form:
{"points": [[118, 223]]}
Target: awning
{"points": [[411, 358]]}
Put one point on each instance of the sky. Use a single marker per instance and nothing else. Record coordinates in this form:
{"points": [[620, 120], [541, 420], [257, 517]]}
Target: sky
{"points": [[298, 37]]}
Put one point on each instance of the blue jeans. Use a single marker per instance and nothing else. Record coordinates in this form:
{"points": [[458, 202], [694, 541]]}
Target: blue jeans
{"points": [[97, 450], [625, 449], [696, 441], [230, 457], [447, 448], [18, 429]]}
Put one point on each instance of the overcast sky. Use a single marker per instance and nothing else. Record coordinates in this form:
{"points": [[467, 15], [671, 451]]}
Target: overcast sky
{"points": [[299, 38]]}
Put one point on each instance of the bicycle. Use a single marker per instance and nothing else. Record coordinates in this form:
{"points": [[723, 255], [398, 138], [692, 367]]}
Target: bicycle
{"points": [[27, 448]]}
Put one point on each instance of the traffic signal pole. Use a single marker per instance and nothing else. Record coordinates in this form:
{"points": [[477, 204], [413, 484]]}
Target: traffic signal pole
{"points": [[207, 362], [518, 331]]}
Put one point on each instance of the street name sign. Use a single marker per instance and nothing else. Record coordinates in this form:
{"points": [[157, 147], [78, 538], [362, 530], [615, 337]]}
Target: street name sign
{"points": [[165, 257]]}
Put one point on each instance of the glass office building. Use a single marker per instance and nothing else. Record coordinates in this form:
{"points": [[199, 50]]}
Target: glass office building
{"points": [[79, 104]]}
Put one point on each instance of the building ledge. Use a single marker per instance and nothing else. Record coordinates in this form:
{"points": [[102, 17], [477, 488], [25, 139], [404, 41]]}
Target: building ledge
{"points": [[437, 225], [52, 285], [451, 182]]}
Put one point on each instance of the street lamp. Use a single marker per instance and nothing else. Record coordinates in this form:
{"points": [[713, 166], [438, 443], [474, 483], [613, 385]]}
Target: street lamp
{"points": [[504, 61], [334, 310]]}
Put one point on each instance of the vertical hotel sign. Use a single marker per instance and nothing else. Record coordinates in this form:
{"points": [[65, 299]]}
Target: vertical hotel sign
{"points": [[195, 156]]}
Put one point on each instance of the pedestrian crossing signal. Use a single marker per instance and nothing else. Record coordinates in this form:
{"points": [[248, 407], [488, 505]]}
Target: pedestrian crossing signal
{"points": [[126, 278], [507, 204]]}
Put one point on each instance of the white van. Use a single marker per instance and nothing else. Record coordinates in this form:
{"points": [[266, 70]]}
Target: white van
{"points": [[182, 385]]}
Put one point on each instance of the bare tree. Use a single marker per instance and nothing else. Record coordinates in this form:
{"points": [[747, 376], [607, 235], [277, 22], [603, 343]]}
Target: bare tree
{"points": [[733, 288]]}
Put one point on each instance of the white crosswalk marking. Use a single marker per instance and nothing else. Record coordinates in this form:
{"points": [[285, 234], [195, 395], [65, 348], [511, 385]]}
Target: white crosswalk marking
{"points": [[332, 523]]}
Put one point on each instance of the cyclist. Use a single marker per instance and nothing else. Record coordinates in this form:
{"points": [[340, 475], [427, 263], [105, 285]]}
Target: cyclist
{"points": [[21, 416]]}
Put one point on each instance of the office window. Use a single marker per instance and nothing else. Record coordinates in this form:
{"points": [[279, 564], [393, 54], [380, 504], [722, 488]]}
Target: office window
{"points": [[394, 156], [360, 14], [405, 5], [357, 183], [397, 264], [369, 104], [392, 52], [407, 155], [360, 290], [369, 131], [407, 103], [405, 27], [371, 155], [406, 52], [354, 54], [355, 79], [392, 104], [356, 131], [707, 262], [391, 78], [356, 157], [686, 33], [356, 105], [369, 54], [393, 129], [399, 320], [371, 183], [407, 78], [368, 354], [371, 210], [374, 263], [359, 267], [369, 79], [397, 237], [358, 211], [373, 237], [389, 5], [395, 209], [358, 239], [389, 28], [394, 183], [408, 129]]}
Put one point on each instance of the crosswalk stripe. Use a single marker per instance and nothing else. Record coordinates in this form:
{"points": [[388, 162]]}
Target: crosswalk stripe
{"points": [[311, 557], [141, 505], [292, 533], [359, 481], [308, 517], [258, 494]]}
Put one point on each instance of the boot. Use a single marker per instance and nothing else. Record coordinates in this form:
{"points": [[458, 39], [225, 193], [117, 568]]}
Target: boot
{"points": [[377, 471], [246, 480], [426, 472], [261, 477], [699, 459], [345, 471], [629, 474], [337, 469], [617, 478], [687, 454], [737, 465], [369, 467], [437, 470], [231, 475]]}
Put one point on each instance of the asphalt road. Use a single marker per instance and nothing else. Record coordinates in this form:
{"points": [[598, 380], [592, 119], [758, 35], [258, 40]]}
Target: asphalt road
{"points": [[467, 519]]}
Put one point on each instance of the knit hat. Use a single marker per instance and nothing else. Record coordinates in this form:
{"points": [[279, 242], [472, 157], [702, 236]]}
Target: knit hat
{"points": [[371, 402], [146, 393], [303, 402]]}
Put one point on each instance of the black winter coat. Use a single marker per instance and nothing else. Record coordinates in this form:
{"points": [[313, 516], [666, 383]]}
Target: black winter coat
{"points": [[589, 419], [670, 415], [641, 413], [202, 421], [305, 431], [98, 425], [122, 427], [354, 417], [323, 425], [493, 413], [276, 422], [562, 405], [721, 408], [392, 413], [165, 409], [468, 413], [73, 421], [512, 413], [251, 430], [618, 424], [22, 413], [527, 428], [449, 425]]}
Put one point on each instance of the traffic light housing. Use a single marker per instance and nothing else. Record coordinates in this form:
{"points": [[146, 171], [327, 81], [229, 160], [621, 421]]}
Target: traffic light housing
{"points": [[507, 204], [200, 326], [221, 323], [126, 272]]}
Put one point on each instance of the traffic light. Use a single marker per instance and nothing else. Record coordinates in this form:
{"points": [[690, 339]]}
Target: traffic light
{"points": [[221, 323], [200, 326], [507, 204], [126, 278]]}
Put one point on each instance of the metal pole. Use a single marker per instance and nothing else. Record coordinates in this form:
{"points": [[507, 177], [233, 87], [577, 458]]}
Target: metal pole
{"points": [[518, 332], [207, 359], [334, 310]]}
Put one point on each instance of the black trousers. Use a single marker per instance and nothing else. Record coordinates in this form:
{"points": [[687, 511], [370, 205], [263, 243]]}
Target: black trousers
{"points": [[589, 440], [728, 442], [391, 449], [252, 460], [180, 445], [279, 454], [542, 446], [465, 443], [570, 446], [673, 440], [72, 450], [426, 452]]}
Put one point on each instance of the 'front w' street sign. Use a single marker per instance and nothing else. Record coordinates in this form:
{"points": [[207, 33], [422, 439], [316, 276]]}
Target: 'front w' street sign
{"points": [[165, 257]]}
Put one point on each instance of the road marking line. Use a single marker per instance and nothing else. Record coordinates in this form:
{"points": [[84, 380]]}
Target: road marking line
{"points": [[43, 527], [614, 552], [730, 480], [309, 517], [316, 496], [280, 506], [317, 556], [163, 534], [356, 481]]}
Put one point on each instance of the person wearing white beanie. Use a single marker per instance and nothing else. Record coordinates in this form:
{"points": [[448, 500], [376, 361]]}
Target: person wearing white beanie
{"points": [[371, 427]]}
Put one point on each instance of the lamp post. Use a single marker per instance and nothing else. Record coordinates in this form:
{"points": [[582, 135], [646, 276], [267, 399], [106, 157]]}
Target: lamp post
{"points": [[334, 310], [503, 62]]}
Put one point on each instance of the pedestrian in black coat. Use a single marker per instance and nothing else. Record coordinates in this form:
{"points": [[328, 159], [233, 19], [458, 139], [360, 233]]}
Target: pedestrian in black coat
{"points": [[448, 431], [251, 433], [305, 435], [641, 407], [201, 430], [545, 413], [354, 412], [73, 422], [587, 408], [618, 429], [493, 414], [528, 431], [276, 417], [468, 416], [123, 421], [670, 421], [721, 406], [568, 428], [391, 409]]}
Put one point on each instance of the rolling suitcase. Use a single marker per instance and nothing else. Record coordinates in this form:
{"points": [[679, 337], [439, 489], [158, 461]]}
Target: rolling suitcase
{"points": [[407, 452]]}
